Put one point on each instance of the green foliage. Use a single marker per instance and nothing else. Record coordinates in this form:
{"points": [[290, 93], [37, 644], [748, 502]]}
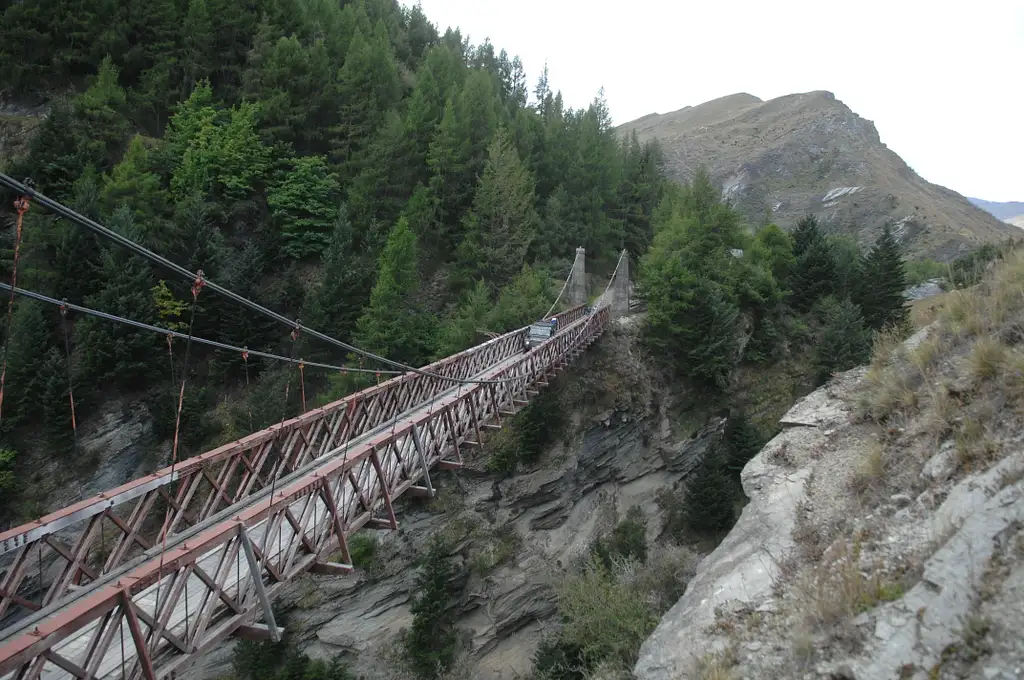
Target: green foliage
{"points": [[919, 271], [742, 441], [53, 398], [848, 258], [627, 541], [778, 247], [8, 481], [170, 310], [99, 113], [431, 642], [845, 340], [967, 270], [392, 324], [883, 282], [708, 503], [362, 548], [368, 87], [304, 203], [501, 223], [343, 285], [559, 660], [691, 320], [253, 660], [606, 619], [29, 341], [814, 274], [120, 355], [533, 430], [195, 424], [223, 156], [523, 301], [277, 146], [697, 282], [132, 183]]}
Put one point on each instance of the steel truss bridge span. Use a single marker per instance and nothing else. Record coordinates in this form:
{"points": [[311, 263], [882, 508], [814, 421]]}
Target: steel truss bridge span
{"points": [[199, 549]]}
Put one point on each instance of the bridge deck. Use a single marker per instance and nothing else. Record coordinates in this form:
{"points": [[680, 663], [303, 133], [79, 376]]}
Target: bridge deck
{"points": [[215, 578]]}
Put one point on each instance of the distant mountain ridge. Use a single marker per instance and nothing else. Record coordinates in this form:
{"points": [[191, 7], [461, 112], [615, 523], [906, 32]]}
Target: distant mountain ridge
{"points": [[809, 153], [1009, 211]]}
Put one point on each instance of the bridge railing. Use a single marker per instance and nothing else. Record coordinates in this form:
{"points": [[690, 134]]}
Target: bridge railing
{"points": [[178, 605], [49, 558]]}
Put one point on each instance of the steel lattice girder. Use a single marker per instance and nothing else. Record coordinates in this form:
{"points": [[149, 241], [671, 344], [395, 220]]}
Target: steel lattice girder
{"points": [[157, 613], [195, 489]]}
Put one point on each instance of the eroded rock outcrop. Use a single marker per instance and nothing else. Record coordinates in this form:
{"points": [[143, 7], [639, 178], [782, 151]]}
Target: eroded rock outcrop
{"points": [[868, 551]]}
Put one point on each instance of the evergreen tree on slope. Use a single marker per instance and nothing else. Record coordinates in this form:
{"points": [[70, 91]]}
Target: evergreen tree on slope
{"points": [[882, 282]]}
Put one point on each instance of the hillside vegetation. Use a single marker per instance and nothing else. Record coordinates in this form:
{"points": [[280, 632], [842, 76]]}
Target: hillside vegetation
{"points": [[883, 538], [809, 153], [341, 163]]}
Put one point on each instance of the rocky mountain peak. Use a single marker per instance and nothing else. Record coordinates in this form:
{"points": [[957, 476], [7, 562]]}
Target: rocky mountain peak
{"points": [[811, 153]]}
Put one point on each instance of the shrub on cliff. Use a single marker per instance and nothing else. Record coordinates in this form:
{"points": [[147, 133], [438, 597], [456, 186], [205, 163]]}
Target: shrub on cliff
{"points": [[431, 642]]}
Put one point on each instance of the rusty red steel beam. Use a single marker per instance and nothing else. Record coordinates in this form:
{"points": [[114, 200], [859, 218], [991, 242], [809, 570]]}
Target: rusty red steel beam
{"points": [[213, 480], [350, 484]]}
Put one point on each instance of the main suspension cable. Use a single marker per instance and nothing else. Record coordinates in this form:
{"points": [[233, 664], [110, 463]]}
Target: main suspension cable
{"points": [[96, 227], [175, 334]]}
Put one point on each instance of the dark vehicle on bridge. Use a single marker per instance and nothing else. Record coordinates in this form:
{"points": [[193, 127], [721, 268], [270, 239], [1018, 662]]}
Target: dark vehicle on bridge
{"points": [[541, 332]]}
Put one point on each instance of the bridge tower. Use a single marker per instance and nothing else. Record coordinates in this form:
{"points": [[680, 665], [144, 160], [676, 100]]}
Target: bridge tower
{"points": [[578, 279], [620, 287]]}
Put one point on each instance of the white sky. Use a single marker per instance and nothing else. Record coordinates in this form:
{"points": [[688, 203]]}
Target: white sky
{"points": [[943, 80]]}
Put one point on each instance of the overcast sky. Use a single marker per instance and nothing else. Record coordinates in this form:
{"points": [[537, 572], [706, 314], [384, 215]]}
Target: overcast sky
{"points": [[941, 79]]}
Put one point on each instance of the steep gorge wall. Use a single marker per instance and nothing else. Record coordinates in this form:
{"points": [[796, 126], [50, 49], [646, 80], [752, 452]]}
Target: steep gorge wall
{"points": [[868, 552], [624, 443]]}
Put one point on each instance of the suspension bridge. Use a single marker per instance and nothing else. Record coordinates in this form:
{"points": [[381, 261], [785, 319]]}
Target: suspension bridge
{"points": [[141, 580]]}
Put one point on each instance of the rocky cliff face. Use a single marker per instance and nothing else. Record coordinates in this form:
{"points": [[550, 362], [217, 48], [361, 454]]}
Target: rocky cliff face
{"points": [[809, 153], [884, 537], [514, 536]]}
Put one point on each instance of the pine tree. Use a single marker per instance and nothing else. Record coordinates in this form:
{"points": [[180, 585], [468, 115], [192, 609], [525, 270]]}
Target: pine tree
{"points": [[369, 86], [501, 224], [224, 161], [343, 287], [806, 233], [845, 341], [132, 184], [393, 325], [743, 441], [430, 645], [55, 158], [708, 503], [521, 302], [883, 280], [30, 339], [297, 92], [53, 398], [114, 353], [779, 247], [814, 273], [462, 330], [100, 120], [458, 153], [710, 335], [197, 60], [303, 203]]}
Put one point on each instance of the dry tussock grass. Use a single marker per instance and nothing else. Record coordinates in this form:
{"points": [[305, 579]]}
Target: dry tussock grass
{"points": [[973, 356], [716, 666], [840, 587]]}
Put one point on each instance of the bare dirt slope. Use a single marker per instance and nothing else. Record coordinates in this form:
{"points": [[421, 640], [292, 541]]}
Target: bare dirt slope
{"points": [[810, 153]]}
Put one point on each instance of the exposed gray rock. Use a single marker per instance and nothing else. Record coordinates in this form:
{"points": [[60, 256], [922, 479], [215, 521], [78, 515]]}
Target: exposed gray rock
{"points": [[741, 569], [927, 289]]}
